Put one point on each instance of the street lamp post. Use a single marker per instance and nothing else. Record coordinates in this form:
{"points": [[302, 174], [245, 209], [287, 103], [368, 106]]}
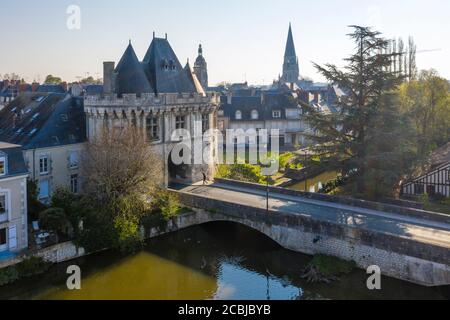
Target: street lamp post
{"points": [[306, 179], [267, 195], [266, 172]]}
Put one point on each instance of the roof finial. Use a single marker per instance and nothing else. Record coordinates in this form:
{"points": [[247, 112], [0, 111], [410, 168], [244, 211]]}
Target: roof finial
{"points": [[153, 34], [200, 50], [129, 42], [166, 36]]}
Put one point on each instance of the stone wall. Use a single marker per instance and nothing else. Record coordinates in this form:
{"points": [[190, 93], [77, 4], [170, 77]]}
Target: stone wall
{"points": [[397, 257]]}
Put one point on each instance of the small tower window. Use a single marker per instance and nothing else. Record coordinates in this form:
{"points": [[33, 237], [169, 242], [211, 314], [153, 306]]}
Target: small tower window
{"points": [[152, 128], [180, 122]]}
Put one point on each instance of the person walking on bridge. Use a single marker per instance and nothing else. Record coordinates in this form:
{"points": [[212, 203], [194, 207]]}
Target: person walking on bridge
{"points": [[204, 177]]}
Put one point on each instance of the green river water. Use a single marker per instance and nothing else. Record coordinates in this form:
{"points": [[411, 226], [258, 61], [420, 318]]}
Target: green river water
{"points": [[212, 261]]}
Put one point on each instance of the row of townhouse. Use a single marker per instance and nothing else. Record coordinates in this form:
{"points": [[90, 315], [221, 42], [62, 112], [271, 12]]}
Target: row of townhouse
{"points": [[42, 136]]}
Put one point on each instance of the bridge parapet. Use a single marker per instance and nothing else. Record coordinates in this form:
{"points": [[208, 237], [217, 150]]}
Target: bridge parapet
{"points": [[390, 208]]}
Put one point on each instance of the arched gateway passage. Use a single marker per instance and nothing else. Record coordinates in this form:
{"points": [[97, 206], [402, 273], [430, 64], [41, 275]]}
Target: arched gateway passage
{"points": [[177, 172]]}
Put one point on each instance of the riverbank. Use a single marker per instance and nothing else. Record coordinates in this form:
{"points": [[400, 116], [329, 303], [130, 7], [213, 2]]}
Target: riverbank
{"points": [[218, 260]]}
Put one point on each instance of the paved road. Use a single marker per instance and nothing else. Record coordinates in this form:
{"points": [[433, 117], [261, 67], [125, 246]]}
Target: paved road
{"points": [[432, 232]]}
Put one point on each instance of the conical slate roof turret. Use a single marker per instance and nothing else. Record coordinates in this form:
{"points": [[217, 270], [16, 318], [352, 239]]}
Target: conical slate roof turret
{"points": [[130, 75]]}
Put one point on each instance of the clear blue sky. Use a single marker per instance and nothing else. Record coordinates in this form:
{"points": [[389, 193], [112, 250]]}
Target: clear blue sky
{"points": [[242, 39]]}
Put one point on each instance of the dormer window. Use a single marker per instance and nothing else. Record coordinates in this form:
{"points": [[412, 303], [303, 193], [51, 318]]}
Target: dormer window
{"points": [[276, 113], [255, 115], [2, 165], [238, 115]]}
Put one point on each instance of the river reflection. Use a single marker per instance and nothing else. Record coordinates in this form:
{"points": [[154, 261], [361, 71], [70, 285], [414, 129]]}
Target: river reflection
{"points": [[213, 261]]}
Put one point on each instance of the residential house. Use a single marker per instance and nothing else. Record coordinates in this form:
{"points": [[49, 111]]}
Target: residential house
{"points": [[50, 127], [13, 199]]}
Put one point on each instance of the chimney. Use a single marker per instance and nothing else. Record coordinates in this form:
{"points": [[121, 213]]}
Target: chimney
{"points": [[108, 77], [316, 97], [229, 97], [64, 86], [34, 86]]}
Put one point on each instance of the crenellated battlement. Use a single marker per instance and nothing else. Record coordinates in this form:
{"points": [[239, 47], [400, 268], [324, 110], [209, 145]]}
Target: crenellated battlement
{"points": [[150, 99]]}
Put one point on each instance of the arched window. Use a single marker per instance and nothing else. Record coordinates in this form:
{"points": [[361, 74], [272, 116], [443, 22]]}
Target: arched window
{"points": [[238, 115], [255, 115]]}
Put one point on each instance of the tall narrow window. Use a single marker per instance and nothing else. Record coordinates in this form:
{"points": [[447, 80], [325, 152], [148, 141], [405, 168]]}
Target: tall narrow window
{"points": [[205, 122], [3, 239], [44, 165], [152, 128], [2, 166], [180, 122], [74, 183], [2, 204], [73, 160], [44, 190]]}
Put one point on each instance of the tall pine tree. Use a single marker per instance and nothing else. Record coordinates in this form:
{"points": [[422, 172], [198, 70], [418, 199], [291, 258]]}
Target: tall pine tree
{"points": [[366, 137]]}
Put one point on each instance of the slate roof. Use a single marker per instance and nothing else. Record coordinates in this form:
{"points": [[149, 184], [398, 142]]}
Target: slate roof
{"points": [[93, 89], [192, 77], [130, 75], [164, 71], [15, 161], [265, 106], [50, 88], [39, 120], [290, 47]]}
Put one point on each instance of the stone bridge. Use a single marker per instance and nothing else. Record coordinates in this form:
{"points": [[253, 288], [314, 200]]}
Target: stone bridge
{"points": [[408, 244]]}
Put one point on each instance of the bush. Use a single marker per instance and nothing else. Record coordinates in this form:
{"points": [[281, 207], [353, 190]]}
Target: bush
{"points": [[55, 219], [332, 266], [167, 203], [241, 172], [27, 268], [32, 266], [8, 275], [128, 235]]}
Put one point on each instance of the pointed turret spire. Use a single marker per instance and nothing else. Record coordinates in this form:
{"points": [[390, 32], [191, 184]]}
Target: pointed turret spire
{"points": [[290, 67], [130, 74]]}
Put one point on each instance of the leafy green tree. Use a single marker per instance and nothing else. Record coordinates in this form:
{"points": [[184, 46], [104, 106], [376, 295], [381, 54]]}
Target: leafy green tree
{"points": [[364, 135], [90, 80], [50, 79], [34, 205], [426, 101]]}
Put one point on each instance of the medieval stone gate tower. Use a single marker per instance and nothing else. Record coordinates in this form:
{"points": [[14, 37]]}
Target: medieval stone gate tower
{"points": [[158, 96]]}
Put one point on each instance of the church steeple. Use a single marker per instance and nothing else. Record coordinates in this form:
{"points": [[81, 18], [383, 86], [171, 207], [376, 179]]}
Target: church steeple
{"points": [[201, 68], [291, 71]]}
